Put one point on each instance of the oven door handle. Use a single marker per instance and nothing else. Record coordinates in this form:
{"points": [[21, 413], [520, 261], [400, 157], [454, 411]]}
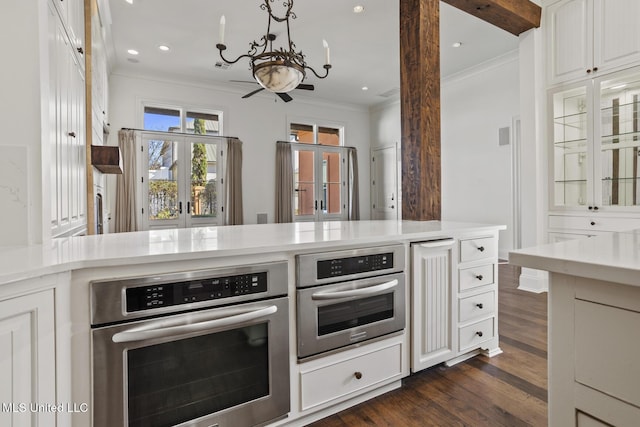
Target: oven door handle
{"points": [[370, 290], [167, 329]]}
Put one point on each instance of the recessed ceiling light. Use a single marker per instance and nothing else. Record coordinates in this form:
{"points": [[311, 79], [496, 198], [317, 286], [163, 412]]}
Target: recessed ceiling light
{"points": [[457, 44], [132, 52], [163, 48], [358, 9], [365, 88]]}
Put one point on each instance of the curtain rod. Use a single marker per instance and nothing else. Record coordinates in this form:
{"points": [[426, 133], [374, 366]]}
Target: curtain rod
{"points": [[181, 133], [315, 145]]}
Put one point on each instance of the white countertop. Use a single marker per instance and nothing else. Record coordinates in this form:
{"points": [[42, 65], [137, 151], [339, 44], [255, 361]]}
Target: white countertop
{"points": [[613, 257], [73, 253]]}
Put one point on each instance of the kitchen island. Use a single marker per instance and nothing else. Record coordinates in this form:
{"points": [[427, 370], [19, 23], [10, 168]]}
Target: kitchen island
{"points": [[594, 318], [46, 299]]}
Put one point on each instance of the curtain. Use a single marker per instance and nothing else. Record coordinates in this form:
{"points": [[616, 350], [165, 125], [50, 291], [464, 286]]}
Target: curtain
{"points": [[234, 182], [284, 183], [126, 206], [354, 191]]}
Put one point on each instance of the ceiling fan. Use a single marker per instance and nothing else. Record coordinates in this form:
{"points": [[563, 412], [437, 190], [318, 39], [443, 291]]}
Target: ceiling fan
{"points": [[284, 96]]}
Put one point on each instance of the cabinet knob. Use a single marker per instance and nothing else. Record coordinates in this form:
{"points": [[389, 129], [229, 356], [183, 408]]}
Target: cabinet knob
{"points": [[72, 134], [593, 223], [595, 208], [358, 375], [590, 207], [80, 51], [481, 248], [595, 68], [479, 277], [480, 306], [479, 333], [589, 71]]}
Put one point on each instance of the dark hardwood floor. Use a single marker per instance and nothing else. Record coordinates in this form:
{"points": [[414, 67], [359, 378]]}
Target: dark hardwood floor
{"points": [[507, 390]]}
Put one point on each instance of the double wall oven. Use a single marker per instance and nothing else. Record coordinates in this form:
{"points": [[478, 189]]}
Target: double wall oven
{"points": [[205, 348], [348, 297]]}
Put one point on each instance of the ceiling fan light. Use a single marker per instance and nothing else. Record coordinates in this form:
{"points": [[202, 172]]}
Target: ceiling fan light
{"points": [[277, 77]]}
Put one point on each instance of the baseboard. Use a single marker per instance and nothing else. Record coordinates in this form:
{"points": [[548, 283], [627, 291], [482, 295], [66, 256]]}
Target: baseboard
{"points": [[536, 281]]}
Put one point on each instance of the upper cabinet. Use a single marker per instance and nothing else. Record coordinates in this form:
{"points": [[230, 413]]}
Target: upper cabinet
{"points": [[595, 144], [590, 37], [72, 16]]}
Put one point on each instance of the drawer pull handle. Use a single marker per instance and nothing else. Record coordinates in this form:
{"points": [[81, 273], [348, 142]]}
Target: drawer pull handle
{"points": [[479, 277], [593, 223], [480, 306], [481, 248], [479, 333], [358, 375]]}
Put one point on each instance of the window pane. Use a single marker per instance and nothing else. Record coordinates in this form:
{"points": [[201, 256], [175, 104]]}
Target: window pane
{"points": [[301, 133], [162, 119], [163, 180], [328, 136], [204, 190], [203, 123], [303, 182]]}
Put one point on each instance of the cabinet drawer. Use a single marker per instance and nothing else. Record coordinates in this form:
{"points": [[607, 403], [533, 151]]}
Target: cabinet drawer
{"points": [[476, 306], [348, 376], [474, 249], [473, 335], [469, 278], [605, 333], [593, 222]]}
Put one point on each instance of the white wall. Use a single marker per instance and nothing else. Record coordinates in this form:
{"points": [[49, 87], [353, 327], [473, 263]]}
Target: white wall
{"points": [[258, 121], [476, 171]]}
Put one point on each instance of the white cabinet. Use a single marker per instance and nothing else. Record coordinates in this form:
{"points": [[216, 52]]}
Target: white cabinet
{"points": [[476, 297], [71, 14], [27, 355], [593, 369], [591, 37], [594, 143], [67, 135], [432, 334]]}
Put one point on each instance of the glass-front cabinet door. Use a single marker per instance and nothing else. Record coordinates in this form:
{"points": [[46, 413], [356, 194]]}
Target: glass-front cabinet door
{"points": [[618, 142], [571, 149], [595, 140]]}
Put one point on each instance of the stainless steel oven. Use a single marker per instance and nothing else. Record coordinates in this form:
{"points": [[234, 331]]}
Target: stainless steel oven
{"points": [[204, 348], [347, 297]]}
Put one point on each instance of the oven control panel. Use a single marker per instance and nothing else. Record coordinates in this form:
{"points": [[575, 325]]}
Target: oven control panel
{"points": [[192, 291], [354, 265]]}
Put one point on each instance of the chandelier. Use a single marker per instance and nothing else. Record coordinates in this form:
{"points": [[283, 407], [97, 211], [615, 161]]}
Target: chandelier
{"points": [[277, 70]]}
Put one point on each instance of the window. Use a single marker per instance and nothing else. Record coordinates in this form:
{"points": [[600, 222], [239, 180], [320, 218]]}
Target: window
{"points": [[184, 182], [319, 172]]}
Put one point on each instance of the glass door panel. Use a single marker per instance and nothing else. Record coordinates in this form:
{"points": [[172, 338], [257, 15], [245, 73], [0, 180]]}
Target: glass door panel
{"points": [[570, 150], [304, 184], [204, 186], [619, 142], [331, 195], [163, 192]]}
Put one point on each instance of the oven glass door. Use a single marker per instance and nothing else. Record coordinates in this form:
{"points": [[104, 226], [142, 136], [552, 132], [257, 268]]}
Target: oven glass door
{"points": [[337, 315], [231, 374]]}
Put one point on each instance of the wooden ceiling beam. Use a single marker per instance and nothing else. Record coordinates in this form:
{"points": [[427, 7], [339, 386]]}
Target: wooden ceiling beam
{"points": [[514, 16]]}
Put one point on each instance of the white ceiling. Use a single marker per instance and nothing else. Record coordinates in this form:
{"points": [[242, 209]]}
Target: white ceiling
{"points": [[364, 47]]}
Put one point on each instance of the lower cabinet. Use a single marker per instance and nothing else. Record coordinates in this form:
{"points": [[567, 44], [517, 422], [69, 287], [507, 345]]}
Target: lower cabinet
{"points": [[593, 369], [27, 355], [569, 227], [454, 299]]}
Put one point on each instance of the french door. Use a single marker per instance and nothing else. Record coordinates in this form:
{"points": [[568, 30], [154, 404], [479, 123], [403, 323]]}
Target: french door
{"points": [[182, 186], [320, 190]]}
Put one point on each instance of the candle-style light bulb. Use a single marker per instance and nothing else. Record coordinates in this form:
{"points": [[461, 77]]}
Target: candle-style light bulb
{"points": [[222, 25], [327, 59]]}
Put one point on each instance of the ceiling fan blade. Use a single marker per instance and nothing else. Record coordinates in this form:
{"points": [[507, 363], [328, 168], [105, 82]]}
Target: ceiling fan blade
{"points": [[284, 96], [252, 93], [305, 86]]}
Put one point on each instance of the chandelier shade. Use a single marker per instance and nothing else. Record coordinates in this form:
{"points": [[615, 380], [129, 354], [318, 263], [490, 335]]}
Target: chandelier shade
{"points": [[277, 70]]}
